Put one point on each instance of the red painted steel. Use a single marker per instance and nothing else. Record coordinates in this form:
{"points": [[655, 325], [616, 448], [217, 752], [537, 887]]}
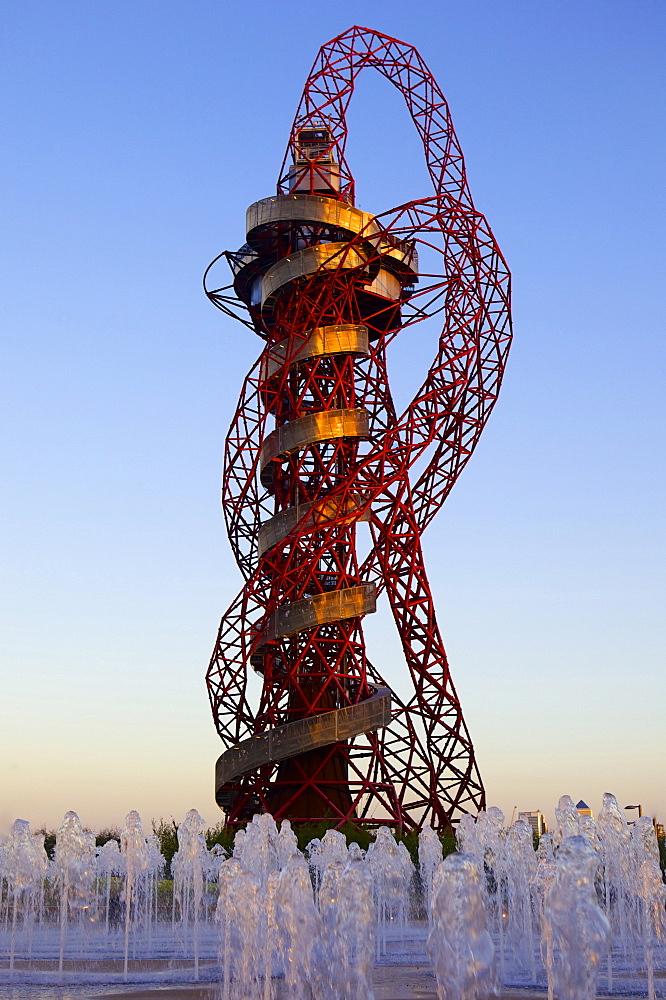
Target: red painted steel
{"points": [[421, 766]]}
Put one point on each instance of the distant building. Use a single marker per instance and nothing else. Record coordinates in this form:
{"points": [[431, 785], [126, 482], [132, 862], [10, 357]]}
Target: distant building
{"points": [[537, 821], [584, 810]]}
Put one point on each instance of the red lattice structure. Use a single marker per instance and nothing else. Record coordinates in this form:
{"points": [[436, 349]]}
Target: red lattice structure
{"points": [[316, 446]]}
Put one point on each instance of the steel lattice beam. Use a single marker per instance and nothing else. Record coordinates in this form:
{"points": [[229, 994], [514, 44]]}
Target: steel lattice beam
{"points": [[316, 446]]}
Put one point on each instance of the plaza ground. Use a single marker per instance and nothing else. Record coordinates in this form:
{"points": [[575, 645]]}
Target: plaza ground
{"points": [[391, 982]]}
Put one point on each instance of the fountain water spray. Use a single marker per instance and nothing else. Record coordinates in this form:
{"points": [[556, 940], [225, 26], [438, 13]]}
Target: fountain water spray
{"points": [[74, 867], [651, 893], [567, 818], [430, 857], [618, 874], [240, 910], [392, 873], [300, 924], [23, 863], [542, 880], [520, 869], [348, 928], [575, 923], [188, 868], [491, 839], [135, 858], [109, 863], [97, 908], [459, 945]]}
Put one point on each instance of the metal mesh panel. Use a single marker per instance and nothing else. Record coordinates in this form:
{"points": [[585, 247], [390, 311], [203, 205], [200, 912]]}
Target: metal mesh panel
{"points": [[326, 256], [278, 527], [343, 339], [335, 605], [309, 208], [325, 425], [305, 734]]}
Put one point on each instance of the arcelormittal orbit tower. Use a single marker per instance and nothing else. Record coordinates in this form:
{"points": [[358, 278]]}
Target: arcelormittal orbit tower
{"points": [[316, 447]]}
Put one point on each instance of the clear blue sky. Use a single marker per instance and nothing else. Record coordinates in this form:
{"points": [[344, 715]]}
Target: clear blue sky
{"points": [[134, 136]]}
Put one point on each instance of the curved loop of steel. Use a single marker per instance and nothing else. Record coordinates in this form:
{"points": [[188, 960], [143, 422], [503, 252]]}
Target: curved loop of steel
{"points": [[421, 766], [329, 89]]}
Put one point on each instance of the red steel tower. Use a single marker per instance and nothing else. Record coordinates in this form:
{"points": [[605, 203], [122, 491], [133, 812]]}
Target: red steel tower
{"points": [[316, 446]]}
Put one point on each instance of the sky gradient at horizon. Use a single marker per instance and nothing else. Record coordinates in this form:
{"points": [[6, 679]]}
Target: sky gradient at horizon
{"points": [[136, 135]]}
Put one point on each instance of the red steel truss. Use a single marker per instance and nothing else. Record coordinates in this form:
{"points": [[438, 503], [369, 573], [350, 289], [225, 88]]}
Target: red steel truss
{"points": [[316, 446]]}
